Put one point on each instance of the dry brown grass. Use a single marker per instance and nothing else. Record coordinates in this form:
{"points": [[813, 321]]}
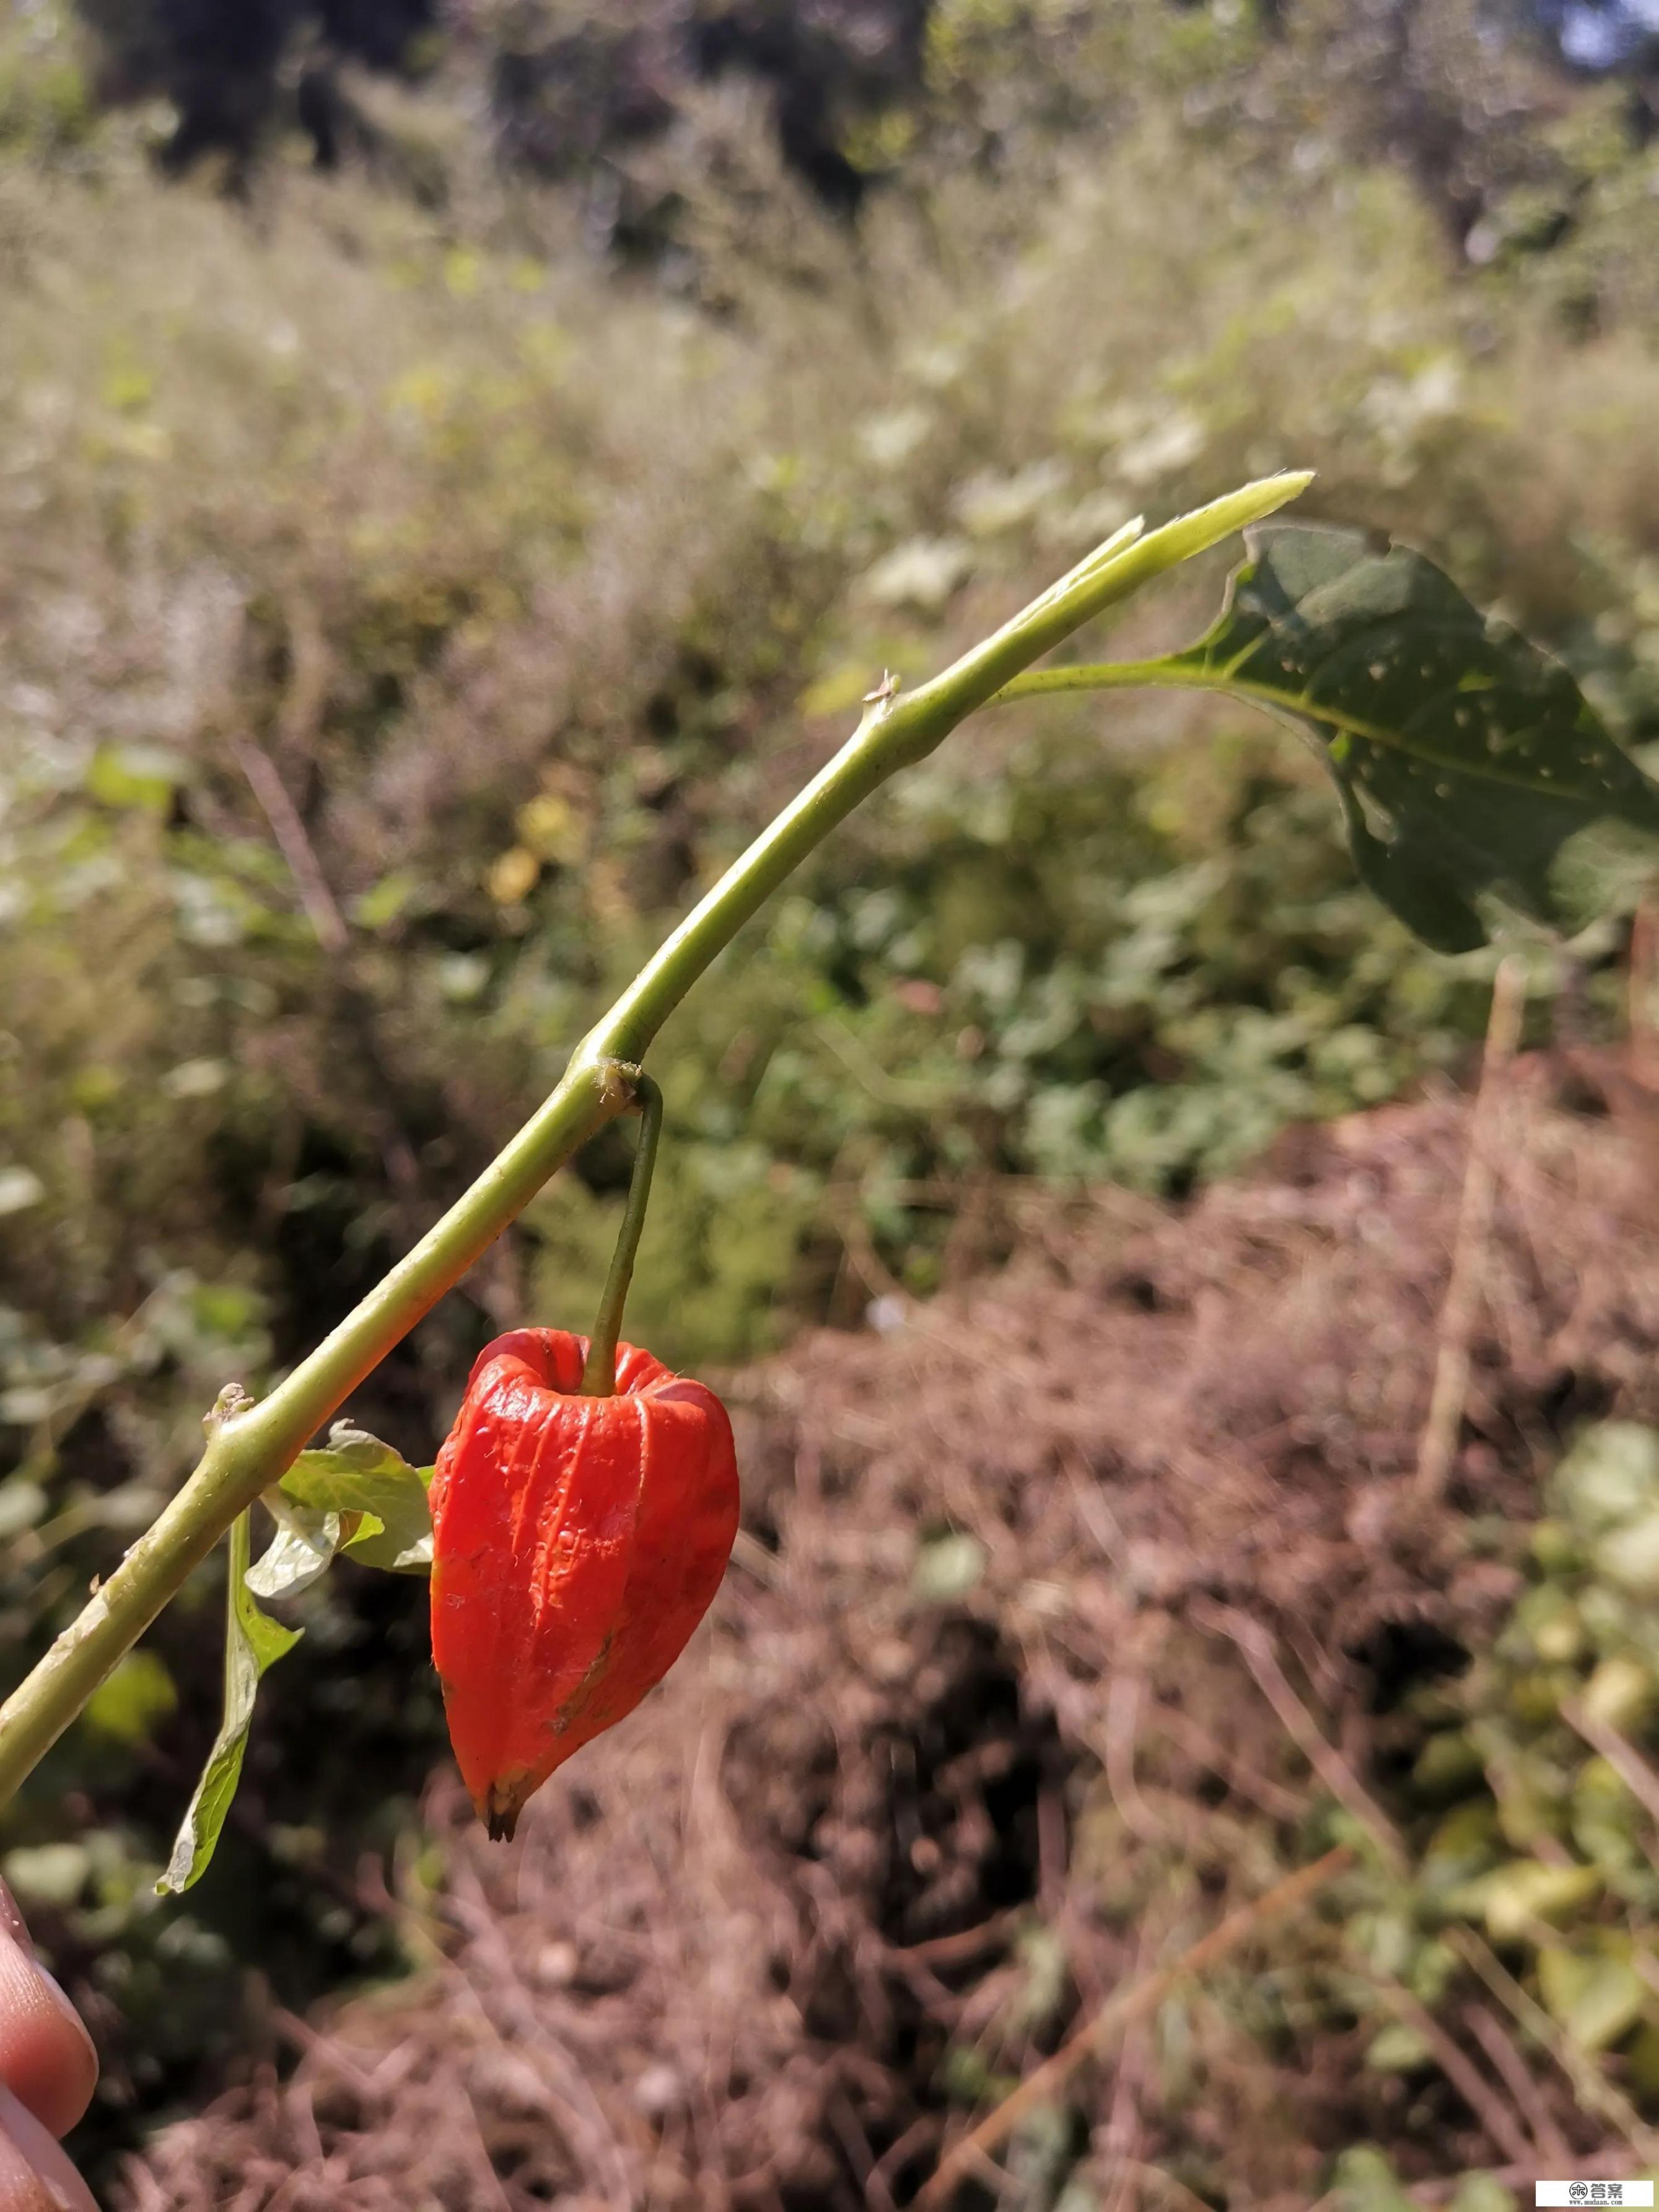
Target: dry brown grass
{"points": [[866, 1845]]}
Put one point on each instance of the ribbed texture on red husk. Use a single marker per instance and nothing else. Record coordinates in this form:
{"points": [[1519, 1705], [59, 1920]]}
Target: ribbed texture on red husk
{"points": [[576, 1544]]}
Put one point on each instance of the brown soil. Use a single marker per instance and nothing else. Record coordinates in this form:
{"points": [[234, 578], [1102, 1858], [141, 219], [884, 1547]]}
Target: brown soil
{"points": [[894, 1827]]}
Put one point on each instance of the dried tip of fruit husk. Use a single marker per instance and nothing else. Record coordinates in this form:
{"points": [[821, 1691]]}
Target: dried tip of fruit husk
{"points": [[501, 1810]]}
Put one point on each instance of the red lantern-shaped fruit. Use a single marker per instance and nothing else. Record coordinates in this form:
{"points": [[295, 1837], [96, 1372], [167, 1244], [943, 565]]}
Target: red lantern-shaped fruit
{"points": [[577, 1541]]}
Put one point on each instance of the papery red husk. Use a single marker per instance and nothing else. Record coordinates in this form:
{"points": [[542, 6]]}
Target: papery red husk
{"points": [[577, 1542]]}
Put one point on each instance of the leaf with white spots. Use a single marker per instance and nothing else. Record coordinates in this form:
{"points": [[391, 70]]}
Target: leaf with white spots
{"points": [[1464, 757]]}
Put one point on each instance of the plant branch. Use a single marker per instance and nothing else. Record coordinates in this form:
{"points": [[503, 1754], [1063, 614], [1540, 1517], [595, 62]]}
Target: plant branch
{"points": [[599, 1370], [897, 733], [251, 1446], [1501, 2124], [322, 911], [1437, 1450], [1594, 2091], [1299, 1724]]}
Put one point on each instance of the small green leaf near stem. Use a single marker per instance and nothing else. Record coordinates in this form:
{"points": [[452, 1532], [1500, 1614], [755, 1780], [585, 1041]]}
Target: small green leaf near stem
{"points": [[599, 1372], [378, 1497], [299, 1554], [253, 1642]]}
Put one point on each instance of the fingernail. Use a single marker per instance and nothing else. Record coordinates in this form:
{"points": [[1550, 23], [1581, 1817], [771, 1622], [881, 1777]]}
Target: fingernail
{"points": [[35, 2174], [11, 1920]]}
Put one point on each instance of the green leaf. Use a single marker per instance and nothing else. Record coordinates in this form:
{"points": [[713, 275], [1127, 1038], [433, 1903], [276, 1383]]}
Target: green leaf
{"points": [[142, 777], [1527, 1891], [381, 904], [300, 1552], [253, 1642], [20, 1188], [1364, 2181], [1481, 2192], [947, 1567], [49, 1873], [129, 1704], [1621, 1693], [22, 1503], [356, 1474], [1596, 1998], [1462, 756], [1610, 1478], [1397, 2049]]}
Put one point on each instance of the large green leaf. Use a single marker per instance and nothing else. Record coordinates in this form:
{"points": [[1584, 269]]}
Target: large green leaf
{"points": [[1464, 756], [253, 1643], [381, 1499]]}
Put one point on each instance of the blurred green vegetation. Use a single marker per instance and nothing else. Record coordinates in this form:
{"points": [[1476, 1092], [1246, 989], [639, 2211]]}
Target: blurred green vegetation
{"points": [[1527, 1805], [407, 612]]}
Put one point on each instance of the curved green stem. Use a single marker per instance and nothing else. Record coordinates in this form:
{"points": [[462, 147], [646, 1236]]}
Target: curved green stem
{"points": [[1109, 676], [599, 1370], [250, 1447]]}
